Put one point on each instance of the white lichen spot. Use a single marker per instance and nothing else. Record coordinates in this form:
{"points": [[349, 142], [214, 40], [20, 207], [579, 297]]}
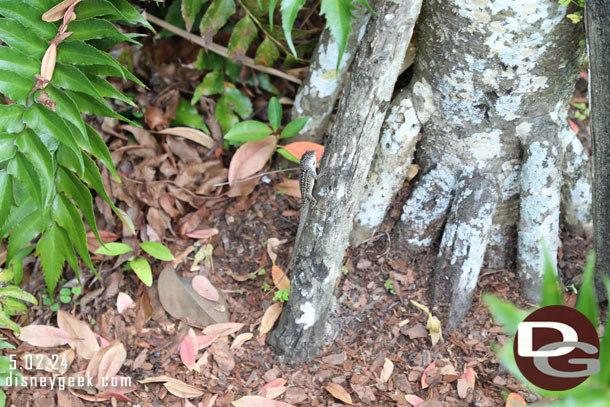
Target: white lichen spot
{"points": [[424, 95], [389, 17], [308, 315]]}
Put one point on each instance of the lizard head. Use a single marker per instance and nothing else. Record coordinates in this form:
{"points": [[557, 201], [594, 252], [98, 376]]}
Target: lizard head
{"points": [[309, 158]]}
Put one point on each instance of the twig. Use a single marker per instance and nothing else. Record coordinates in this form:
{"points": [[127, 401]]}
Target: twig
{"points": [[219, 49], [255, 176]]}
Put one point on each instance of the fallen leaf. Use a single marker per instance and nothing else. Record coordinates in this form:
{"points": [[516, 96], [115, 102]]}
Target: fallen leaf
{"points": [[280, 279], [425, 384], [299, 148], [271, 315], [203, 341], [413, 399], [515, 400], [84, 341], [251, 157], [192, 134], [188, 350], [223, 329], [274, 383], [181, 389], [386, 372], [272, 245], [338, 392], [123, 301], [202, 233], [44, 336], [273, 392], [204, 287], [289, 187], [434, 327], [211, 401], [465, 382], [111, 362], [241, 339], [257, 401]]}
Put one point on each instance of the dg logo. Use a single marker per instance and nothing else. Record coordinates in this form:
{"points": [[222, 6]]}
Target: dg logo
{"points": [[556, 348]]}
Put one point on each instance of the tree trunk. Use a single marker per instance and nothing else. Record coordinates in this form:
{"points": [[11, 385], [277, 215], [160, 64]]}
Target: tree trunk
{"points": [[491, 88], [320, 247], [597, 16]]}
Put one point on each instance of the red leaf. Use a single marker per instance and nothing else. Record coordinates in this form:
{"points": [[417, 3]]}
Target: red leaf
{"points": [[204, 287], [188, 350], [298, 148]]}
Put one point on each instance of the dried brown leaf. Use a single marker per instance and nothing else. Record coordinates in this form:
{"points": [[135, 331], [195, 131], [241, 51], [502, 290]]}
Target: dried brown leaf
{"points": [[271, 315], [339, 392]]}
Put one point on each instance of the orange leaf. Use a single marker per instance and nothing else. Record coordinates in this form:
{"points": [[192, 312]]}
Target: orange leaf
{"points": [[339, 392], [298, 148], [515, 400], [251, 157], [289, 187], [573, 126], [280, 279]]}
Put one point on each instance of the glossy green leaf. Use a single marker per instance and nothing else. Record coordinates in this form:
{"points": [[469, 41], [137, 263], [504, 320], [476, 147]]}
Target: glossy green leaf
{"points": [[225, 115], [54, 248], [71, 78], [239, 102], [99, 107], [7, 146], [69, 184], [67, 216], [6, 197], [66, 108], [117, 70], [130, 14], [114, 249], [243, 34], [107, 90], [294, 127], [142, 269], [15, 292], [11, 118], [275, 113], [290, 9], [157, 250], [23, 233], [190, 9], [26, 207], [338, 15], [25, 175], [5, 322], [42, 5], [16, 264], [96, 8], [19, 63], [17, 36], [249, 130], [28, 17], [587, 299], [284, 153], [6, 345], [212, 84], [215, 17], [95, 28], [551, 291], [82, 54], [505, 313], [209, 60], [99, 149], [232, 70], [266, 53], [272, 4], [15, 87], [41, 160], [264, 82], [187, 115]]}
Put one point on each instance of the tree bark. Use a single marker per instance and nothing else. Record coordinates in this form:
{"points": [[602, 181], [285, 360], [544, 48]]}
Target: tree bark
{"points": [[320, 247], [597, 17]]}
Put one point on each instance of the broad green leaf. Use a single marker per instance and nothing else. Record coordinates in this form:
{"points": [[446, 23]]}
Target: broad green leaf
{"points": [[225, 115], [66, 108], [215, 17], [272, 4], [294, 127], [96, 28], [604, 347], [232, 70], [114, 249], [21, 64], [71, 78], [26, 207], [190, 9], [7, 146], [249, 130], [209, 60], [551, 291], [67, 216], [187, 115], [173, 17], [24, 174], [15, 292], [6, 345], [287, 155], [99, 107], [118, 71], [23, 233], [6, 197], [212, 84], [504, 313], [107, 90], [157, 250], [130, 14], [142, 269], [43, 5], [338, 15], [96, 8], [15, 87], [47, 122], [17, 36], [241, 38], [41, 160], [587, 299], [54, 248], [69, 184], [290, 9], [264, 82], [28, 17], [13, 306], [99, 149], [6, 322], [82, 54], [266, 53], [275, 113], [240, 102], [11, 118]]}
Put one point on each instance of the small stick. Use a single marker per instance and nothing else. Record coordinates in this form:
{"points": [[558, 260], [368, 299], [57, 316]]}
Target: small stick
{"points": [[255, 176]]}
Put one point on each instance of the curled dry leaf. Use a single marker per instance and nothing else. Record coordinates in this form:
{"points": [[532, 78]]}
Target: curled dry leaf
{"points": [[241, 339], [424, 383], [280, 279], [269, 318], [272, 246], [414, 400], [111, 362], [204, 287], [223, 329], [202, 233], [258, 401], [386, 372], [175, 386], [339, 392], [251, 157], [434, 327], [192, 134], [48, 63], [57, 12], [44, 336], [465, 382], [84, 341], [289, 187], [299, 148], [188, 350], [123, 301]]}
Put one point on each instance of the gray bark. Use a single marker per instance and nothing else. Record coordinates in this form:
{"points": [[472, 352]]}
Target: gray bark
{"points": [[597, 17], [320, 247], [491, 87]]}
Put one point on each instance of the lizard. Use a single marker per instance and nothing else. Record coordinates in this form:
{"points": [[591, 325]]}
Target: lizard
{"points": [[308, 177]]}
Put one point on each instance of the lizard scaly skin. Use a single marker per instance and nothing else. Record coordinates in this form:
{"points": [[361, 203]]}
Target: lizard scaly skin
{"points": [[308, 177]]}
